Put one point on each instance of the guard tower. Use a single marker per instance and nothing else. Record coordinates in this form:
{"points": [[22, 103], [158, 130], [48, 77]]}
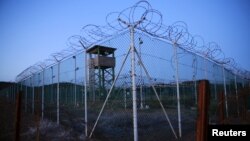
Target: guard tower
{"points": [[101, 70]]}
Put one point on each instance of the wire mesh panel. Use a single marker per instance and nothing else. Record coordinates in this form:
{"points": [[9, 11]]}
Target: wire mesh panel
{"points": [[132, 79], [110, 111]]}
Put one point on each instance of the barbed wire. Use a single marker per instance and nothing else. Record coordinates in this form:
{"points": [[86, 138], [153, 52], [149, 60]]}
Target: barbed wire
{"points": [[152, 24]]}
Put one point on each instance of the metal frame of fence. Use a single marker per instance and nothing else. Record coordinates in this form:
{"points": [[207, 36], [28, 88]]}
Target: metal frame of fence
{"points": [[161, 78]]}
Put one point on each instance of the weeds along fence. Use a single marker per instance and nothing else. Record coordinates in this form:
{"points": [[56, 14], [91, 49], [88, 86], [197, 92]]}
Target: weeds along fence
{"points": [[128, 86]]}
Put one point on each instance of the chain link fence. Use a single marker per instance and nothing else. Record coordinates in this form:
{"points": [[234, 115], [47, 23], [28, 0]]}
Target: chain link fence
{"points": [[98, 93], [154, 70]]}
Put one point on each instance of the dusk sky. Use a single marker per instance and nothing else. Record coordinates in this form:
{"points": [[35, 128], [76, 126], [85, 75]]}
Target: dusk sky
{"points": [[31, 30]]}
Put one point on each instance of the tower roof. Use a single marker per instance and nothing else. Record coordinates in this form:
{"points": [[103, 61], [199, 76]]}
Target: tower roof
{"points": [[103, 50]]}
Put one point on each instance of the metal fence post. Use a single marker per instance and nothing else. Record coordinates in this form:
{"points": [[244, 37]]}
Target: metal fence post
{"points": [[26, 94], [43, 95], [33, 94], [236, 92], [57, 94], [85, 95], [203, 104], [177, 88], [74, 57], [85, 90], [52, 94], [225, 90], [135, 124]]}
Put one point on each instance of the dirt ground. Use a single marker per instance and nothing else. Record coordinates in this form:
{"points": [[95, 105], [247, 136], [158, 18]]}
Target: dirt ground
{"points": [[32, 128]]}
